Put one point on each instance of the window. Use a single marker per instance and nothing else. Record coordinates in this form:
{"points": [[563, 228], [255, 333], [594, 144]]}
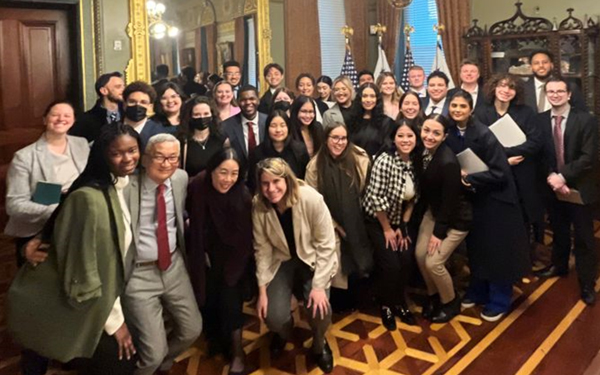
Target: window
{"points": [[332, 18], [422, 15]]}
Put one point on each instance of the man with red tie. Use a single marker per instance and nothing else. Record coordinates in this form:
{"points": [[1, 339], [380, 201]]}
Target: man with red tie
{"points": [[246, 130], [158, 277], [570, 155]]}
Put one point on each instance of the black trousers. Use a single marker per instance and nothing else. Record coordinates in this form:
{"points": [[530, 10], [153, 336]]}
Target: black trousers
{"points": [[392, 268], [562, 216]]}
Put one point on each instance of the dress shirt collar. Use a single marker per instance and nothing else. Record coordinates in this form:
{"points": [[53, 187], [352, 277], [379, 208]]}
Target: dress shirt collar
{"points": [[149, 185]]}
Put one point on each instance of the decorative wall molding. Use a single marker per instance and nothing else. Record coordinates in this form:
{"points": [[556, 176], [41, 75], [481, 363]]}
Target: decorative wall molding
{"points": [[263, 37], [98, 36], [138, 67]]}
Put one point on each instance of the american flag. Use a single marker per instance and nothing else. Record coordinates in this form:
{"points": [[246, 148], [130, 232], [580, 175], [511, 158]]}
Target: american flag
{"points": [[408, 63], [349, 69]]}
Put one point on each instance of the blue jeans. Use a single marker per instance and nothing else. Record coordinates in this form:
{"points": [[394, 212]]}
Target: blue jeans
{"points": [[496, 296]]}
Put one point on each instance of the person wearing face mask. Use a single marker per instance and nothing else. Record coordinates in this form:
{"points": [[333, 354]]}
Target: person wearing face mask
{"points": [[139, 97], [199, 135], [282, 100]]}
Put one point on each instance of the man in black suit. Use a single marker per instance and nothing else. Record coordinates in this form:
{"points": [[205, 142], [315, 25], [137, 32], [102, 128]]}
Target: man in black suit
{"points": [[570, 155], [437, 94], [416, 80], [139, 99], [469, 79], [232, 73], [246, 130], [108, 107], [542, 66], [273, 74]]}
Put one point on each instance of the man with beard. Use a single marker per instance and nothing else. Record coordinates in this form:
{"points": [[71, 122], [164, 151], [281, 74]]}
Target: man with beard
{"points": [[108, 107], [535, 96], [139, 97], [246, 130]]}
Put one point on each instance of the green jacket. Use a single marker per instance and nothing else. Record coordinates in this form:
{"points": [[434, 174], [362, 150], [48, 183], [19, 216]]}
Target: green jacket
{"points": [[59, 308]]}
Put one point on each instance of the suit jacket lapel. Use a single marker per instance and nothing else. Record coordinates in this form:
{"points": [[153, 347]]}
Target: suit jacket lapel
{"points": [[44, 158], [277, 237], [239, 132], [114, 201], [570, 129], [80, 163], [132, 196], [178, 202]]}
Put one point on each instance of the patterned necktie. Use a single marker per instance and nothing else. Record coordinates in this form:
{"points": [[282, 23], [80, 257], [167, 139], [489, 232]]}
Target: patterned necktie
{"points": [[427, 156], [251, 137], [113, 117], [433, 108], [162, 234], [559, 146], [541, 104]]}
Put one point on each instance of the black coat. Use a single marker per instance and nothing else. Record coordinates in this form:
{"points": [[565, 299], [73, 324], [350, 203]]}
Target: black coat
{"points": [[581, 152], [524, 172], [265, 102], [89, 124], [497, 244], [442, 192]]}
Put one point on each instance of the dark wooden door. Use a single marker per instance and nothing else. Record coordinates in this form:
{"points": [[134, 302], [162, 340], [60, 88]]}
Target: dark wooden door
{"points": [[35, 69]]}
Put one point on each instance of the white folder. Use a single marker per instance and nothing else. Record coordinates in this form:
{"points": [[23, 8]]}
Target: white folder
{"points": [[470, 162], [508, 132]]}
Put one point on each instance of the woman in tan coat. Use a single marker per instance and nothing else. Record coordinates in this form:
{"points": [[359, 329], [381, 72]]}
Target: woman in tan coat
{"points": [[339, 172], [294, 244]]}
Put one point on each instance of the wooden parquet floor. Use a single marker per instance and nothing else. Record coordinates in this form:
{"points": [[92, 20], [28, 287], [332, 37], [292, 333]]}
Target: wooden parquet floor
{"points": [[549, 331]]}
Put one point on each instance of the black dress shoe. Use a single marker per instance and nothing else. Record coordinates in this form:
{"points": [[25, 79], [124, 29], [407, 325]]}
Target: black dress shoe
{"points": [[388, 319], [277, 345], [551, 271], [405, 315], [588, 295], [431, 306], [447, 312], [324, 359]]}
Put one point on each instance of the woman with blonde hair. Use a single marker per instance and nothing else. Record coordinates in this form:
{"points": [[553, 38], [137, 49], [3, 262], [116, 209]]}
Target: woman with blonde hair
{"points": [[294, 247], [390, 93], [343, 93], [226, 104]]}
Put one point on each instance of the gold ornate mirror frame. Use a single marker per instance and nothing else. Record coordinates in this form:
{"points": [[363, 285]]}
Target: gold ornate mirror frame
{"points": [[138, 67]]}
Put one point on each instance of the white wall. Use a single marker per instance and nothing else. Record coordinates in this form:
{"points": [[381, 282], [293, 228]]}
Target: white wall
{"points": [[489, 12]]}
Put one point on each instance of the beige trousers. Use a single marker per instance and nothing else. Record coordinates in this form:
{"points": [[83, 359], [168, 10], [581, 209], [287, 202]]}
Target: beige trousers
{"points": [[433, 266]]}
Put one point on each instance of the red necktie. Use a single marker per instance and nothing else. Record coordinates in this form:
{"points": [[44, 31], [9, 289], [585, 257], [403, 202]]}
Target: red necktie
{"points": [[559, 146], [251, 137], [162, 234]]}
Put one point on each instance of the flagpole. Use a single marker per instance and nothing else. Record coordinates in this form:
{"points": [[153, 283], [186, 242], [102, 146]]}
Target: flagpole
{"points": [[348, 67]]}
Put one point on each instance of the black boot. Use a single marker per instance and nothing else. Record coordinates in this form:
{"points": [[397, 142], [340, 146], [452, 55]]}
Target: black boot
{"points": [[447, 312], [431, 306]]}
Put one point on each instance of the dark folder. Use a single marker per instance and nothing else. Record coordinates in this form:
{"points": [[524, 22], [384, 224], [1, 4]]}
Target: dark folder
{"points": [[47, 193]]}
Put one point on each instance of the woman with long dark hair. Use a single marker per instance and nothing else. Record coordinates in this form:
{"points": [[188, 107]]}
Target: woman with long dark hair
{"points": [[339, 172], [411, 108], [279, 143], [325, 90], [199, 135], [389, 202], [78, 287], [369, 126], [305, 85], [497, 243], [304, 125], [446, 220], [220, 209], [168, 105]]}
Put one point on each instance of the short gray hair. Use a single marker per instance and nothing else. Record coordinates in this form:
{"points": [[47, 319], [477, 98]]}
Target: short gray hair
{"points": [[161, 138]]}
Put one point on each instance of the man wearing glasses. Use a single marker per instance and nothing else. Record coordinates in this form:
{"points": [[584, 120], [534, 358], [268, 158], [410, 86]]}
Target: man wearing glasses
{"points": [[232, 73], [159, 280], [139, 98], [570, 138]]}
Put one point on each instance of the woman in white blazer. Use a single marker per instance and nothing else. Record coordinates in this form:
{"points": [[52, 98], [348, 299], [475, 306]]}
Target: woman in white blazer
{"points": [[294, 247], [55, 158]]}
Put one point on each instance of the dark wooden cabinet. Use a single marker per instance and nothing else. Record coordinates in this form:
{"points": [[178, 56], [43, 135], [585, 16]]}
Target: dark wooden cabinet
{"points": [[506, 46]]}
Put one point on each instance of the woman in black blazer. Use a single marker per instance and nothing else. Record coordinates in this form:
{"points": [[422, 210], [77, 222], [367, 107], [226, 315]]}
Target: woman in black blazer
{"points": [[304, 126], [504, 96], [446, 221], [497, 242]]}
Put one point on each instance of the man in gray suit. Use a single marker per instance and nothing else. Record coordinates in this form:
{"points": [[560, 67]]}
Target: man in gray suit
{"points": [[246, 130], [158, 279]]}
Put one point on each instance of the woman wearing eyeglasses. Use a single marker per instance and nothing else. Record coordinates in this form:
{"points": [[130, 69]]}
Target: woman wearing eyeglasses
{"points": [[339, 172]]}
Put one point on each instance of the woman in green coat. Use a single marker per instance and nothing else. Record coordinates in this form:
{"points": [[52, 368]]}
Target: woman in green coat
{"points": [[68, 306]]}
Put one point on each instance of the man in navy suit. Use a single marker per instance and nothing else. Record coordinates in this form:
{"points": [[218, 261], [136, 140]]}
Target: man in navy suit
{"points": [[570, 153], [437, 94], [139, 99], [542, 66], [246, 130]]}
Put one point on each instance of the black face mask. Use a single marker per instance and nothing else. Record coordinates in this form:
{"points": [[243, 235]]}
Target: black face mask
{"points": [[135, 113], [281, 105], [200, 123]]}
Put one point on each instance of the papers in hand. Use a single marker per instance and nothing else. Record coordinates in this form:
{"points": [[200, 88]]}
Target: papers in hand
{"points": [[573, 197], [508, 132], [470, 162]]}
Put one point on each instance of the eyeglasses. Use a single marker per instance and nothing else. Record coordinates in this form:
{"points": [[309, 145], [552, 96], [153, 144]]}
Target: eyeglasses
{"points": [[160, 159], [338, 139], [556, 92]]}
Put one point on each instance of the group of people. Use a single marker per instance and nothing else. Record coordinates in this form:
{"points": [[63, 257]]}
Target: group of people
{"points": [[179, 218]]}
